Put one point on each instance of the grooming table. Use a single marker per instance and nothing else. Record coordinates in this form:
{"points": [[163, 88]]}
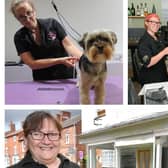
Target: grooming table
{"points": [[58, 92]]}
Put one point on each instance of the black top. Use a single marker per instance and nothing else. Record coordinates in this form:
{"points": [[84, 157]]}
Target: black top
{"points": [[28, 162], [51, 46], [147, 48]]}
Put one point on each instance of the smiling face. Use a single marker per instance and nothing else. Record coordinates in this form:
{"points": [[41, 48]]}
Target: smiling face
{"points": [[44, 151], [153, 24], [26, 15]]}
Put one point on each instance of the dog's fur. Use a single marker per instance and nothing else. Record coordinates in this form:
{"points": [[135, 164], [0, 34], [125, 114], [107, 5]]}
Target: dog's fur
{"points": [[98, 48]]}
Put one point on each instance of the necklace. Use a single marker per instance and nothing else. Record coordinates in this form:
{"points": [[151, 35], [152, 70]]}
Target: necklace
{"points": [[36, 35]]}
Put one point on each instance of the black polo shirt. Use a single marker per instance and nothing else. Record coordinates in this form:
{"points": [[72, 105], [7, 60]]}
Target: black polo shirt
{"points": [[28, 162], [147, 48], [51, 46]]}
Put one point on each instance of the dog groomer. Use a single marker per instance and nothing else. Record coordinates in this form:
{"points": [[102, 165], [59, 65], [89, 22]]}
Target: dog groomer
{"points": [[43, 44], [152, 52]]}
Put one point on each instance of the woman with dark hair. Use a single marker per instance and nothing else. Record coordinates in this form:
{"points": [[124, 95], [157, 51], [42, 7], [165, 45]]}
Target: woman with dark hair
{"points": [[42, 135], [152, 52], [43, 44]]}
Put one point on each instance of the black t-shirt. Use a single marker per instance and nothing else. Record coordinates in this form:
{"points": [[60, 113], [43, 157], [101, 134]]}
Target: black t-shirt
{"points": [[147, 48], [51, 46]]}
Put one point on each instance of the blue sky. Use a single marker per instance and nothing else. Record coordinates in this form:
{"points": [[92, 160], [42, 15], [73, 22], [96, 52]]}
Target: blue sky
{"points": [[17, 116]]}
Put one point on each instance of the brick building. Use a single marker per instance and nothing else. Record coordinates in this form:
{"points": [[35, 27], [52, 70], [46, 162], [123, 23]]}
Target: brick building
{"points": [[70, 147], [14, 145]]}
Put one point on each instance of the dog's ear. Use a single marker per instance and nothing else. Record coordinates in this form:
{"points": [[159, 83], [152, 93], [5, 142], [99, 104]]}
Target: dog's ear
{"points": [[82, 40], [113, 37]]}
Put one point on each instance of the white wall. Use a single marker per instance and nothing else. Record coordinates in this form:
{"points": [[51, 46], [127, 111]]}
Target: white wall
{"points": [[84, 16], [164, 11], [115, 115]]}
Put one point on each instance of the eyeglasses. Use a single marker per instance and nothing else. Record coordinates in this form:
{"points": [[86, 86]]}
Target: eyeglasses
{"points": [[154, 22], [38, 135], [28, 15]]}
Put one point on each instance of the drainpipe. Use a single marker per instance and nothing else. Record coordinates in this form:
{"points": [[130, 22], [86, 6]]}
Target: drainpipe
{"points": [[75, 142]]}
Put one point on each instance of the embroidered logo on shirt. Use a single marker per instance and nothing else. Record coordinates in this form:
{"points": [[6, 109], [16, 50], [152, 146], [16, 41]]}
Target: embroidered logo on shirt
{"points": [[52, 36]]}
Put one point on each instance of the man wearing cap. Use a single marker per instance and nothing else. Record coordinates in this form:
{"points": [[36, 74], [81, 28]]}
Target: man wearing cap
{"points": [[152, 52]]}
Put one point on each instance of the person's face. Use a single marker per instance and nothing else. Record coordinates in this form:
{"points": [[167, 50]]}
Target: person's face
{"points": [[26, 15], [44, 150], [153, 24]]}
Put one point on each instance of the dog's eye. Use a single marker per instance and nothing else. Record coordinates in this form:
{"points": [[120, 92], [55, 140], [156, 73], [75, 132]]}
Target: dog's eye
{"points": [[103, 39], [91, 41]]}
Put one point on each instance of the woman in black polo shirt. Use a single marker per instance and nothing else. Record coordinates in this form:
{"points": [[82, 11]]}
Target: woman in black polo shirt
{"points": [[42, 139], [43, 44], [152, 51]]}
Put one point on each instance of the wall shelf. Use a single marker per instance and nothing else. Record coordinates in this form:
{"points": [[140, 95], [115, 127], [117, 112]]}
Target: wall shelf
{"points": [[136, 17]]}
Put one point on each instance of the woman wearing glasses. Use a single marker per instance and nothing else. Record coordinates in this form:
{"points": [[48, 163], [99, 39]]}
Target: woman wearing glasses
{"points": [[152, 51], [42, 134], [43, 44]]}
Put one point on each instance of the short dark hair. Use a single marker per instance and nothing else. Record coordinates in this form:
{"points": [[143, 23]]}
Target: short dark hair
{"points": [[35, 120], [15, 3]]}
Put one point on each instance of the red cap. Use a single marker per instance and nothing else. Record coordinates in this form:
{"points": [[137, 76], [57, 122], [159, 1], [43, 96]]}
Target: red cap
{"points": [[151, 15]]}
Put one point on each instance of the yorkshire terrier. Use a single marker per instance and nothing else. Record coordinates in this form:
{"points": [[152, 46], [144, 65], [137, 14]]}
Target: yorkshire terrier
{"points": [[98, 48]]}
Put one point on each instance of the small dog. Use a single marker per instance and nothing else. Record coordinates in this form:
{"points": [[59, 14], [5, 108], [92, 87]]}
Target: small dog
{"points": [[98, 48]]}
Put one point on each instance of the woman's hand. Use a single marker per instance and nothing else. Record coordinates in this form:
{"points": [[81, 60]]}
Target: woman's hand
{"points": [[165, 50], [69, 61], [48, 62]]}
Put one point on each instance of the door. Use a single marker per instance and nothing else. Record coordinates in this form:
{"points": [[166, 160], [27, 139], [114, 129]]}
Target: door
{"points": [[144, 157]]}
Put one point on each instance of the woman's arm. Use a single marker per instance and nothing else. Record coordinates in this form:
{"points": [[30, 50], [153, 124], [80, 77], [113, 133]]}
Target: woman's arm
{"points": [[155, 59], [71, 48], [45, 63]]}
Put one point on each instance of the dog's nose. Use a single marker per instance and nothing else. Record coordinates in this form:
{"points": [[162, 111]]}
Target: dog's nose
{"points": [[100, 48]]}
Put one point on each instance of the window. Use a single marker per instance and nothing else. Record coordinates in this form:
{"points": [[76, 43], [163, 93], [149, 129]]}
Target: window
{"points": [[23, 146], [108, 158], [14, 138], [15, 150], [128, 158], [6, 149], [7, 161], [6, 140], [15, 159], [67, 138]]}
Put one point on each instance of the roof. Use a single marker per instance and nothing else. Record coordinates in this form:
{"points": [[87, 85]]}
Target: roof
{"points": [[73, 120], [12, 133], [135, 121]]}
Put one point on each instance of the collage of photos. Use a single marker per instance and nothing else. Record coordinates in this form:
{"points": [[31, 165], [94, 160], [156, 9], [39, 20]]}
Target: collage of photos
{"points": [[85, 84]]}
